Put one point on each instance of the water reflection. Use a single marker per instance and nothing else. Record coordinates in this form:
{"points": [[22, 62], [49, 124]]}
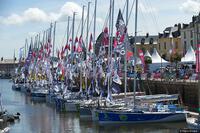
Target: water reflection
{"points": [[38, 117]]}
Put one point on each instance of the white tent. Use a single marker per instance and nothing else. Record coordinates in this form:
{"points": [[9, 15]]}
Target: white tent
{"points": [[156, 57], [189, 56], [147, 54]]}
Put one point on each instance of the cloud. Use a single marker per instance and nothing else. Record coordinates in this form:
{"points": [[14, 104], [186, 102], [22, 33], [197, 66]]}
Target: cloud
{"points": [[190, 6], [38, 15]]}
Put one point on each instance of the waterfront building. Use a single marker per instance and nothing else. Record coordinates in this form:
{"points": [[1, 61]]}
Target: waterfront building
{"points": [[170, 41], [190, 33], [148, 42]]}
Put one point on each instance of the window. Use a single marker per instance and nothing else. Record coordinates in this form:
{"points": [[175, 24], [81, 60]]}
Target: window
{"points": [[159, 46], [185, 47], [142, 41], [191, 42], [184, 35], [151, 41], [165, 46], [191, 34]]}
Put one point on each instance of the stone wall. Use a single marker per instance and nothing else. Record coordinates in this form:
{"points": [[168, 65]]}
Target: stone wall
{"points": [[188, 90]]}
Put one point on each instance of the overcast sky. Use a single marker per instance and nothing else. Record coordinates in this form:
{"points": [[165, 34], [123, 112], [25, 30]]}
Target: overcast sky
{"points": [[21, 19]]}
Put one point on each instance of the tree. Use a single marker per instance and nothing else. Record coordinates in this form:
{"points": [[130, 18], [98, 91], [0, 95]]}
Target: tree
{"points": [[147, 61], [175, 58]]}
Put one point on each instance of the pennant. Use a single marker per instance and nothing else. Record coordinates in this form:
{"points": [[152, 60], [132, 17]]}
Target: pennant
{"points": [[141, 55], [105, 36], [90, 44], [58, 54], [129, 54], [75, 44], [115, 43], [79, 48]]}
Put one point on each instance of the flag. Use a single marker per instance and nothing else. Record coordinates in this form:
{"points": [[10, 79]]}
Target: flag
{"points": [[115, 43], [129, 54], [75, 44], [141, 55], [21, 51], [79, 48], [62, 53], [121, 33], [105, 36], [58, 54], [28, 60], [67, 46], [90, 43], [120, 25]]}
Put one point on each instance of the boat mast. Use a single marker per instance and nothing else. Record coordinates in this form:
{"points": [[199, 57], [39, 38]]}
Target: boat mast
{"points": [[82, 24], [54, 34], [73, 22], [109, 50], [125, 47], [111, 39], [134, 89], [94, 39], [87, 34]]}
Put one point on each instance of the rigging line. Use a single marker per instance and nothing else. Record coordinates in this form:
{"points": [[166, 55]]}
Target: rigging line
{"points": [[131, 11], [78, 28], [64, 39], [142, 15], [148, 4], [90, 24], [106, 20], [149, 10], [124, 7]]}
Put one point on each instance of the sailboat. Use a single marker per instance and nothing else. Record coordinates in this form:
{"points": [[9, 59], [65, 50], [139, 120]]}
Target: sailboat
{"points": [[134, 114]]}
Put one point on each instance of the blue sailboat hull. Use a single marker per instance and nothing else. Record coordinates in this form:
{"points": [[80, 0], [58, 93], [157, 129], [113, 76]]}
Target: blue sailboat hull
{"points": [[132, 117]]}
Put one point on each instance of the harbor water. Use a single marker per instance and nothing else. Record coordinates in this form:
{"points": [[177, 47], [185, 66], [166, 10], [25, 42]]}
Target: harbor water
{"points": [[38, 117]]}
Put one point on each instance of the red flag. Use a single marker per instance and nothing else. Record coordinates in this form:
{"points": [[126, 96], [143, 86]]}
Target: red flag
{"points": [[79, 48], [122, 38], [115, 43], [141, 55], [67, 46], [62, 53], [75, 44], [58, 54], [90, 44], [129, 54], [105, 36]]}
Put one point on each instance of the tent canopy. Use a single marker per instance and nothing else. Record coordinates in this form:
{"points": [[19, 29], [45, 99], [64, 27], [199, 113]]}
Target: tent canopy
{"points": [[156, 57], [189, 56], [147, 54]]}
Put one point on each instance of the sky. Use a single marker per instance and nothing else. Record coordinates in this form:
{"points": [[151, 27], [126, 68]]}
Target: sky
{"points": [[23, 19]]}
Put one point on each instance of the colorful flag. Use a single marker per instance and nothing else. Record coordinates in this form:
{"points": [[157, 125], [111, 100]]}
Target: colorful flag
{"points": [[105, 36], [90, 43], [79, 48], [75, 44], [129, 54]]}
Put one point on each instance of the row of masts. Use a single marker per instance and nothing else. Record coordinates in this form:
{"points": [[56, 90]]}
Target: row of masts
{"points": [[47, 35]]}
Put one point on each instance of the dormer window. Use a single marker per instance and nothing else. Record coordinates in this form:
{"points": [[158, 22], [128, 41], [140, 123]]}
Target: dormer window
{"points": [[151, 41], [142, 41]]}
